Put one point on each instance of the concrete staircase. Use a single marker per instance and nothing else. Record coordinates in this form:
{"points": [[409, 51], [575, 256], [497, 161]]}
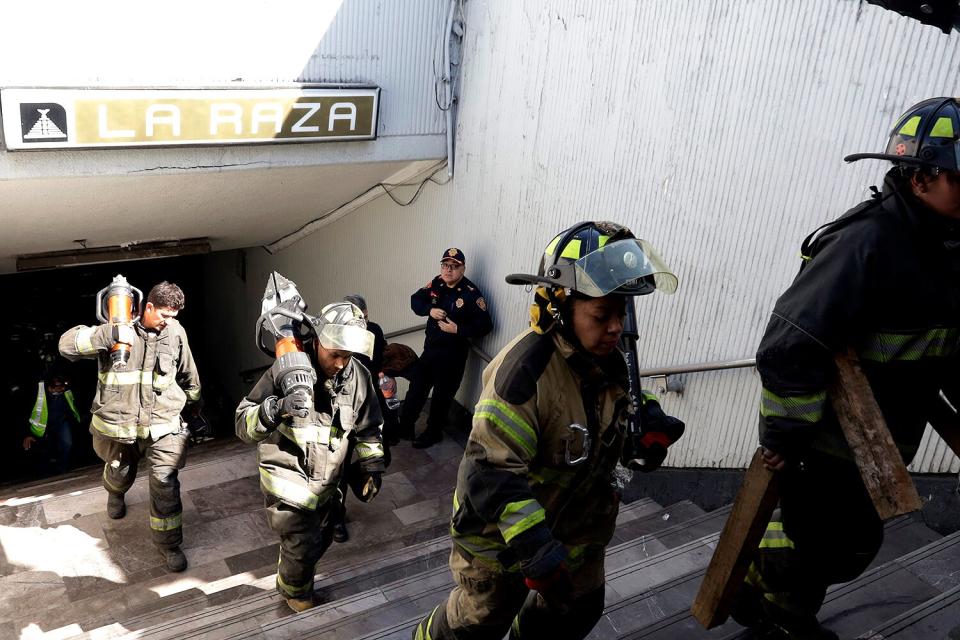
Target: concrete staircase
{"points": [[85, 576]]}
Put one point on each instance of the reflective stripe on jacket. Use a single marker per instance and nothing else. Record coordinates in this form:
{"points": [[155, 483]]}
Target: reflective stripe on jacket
{"points": [[301, 465], [514, 479], [145, 397]]}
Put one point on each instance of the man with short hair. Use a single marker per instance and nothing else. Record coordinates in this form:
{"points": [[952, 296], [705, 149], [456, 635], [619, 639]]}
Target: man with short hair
{"points": [[456, 312], [136, 409]]}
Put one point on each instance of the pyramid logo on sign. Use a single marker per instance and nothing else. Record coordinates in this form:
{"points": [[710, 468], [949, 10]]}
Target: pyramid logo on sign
{"points": [[43, 122], [44, 128]]}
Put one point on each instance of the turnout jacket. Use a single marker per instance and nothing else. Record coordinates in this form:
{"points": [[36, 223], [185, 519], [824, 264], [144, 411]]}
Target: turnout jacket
{"points": [[144, 398], [885, 280], [464, 305], [301, 466], [518, 503]]}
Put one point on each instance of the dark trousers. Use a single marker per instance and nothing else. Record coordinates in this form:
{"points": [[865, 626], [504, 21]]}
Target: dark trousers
{"points": [[53, 450], [304, 537], [484, 605], [825, 532], [166, 456], [442, 371]]}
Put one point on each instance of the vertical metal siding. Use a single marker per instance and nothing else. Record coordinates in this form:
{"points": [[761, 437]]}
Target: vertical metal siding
{"points": [[393, 45], [714, 130]]}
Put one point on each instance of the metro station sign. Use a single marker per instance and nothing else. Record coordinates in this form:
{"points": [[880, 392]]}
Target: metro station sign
{"points": [[94, 118]]}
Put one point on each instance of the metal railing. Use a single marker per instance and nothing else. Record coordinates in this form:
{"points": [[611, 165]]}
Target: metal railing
{"points": [[655, 372], [661, 375]]}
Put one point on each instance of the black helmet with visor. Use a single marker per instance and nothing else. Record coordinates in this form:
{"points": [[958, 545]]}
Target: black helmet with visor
{"points": [[927, 135], [596, 259]]}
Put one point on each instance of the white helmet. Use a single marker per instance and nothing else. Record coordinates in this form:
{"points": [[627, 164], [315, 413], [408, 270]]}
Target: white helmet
{"points": [[341, 326]]}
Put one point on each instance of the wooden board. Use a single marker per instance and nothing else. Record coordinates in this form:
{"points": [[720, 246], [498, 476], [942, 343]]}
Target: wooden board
{"points": [[881, 467], [737, 546]]}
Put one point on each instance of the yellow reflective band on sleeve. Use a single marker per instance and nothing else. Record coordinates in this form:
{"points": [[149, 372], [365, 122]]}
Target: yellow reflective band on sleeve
{"points": [[646, 395], [942, 129], [369, 450], [909, 128], [84, 341], [288, 491], [775, 538], [193, 395], [517, 517], [509, 422], [942, 342], [806, 408], [166, 524]]}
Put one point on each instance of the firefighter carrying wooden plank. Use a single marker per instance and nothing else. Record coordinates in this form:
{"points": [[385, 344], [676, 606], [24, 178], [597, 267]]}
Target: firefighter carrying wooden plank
{"points": [[885, 279]]}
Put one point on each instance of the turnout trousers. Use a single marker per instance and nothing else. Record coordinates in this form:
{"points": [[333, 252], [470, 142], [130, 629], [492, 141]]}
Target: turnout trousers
{"points": [[166, 457], [485, 605], [826, 531], [304, 537]]}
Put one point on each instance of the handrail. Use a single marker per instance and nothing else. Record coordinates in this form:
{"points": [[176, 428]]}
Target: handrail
{"points": [[403, 332], [655, 372]]}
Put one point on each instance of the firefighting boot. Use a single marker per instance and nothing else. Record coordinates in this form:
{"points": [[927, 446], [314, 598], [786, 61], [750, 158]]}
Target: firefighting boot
{"points": [[175, 559], [781, 624], [116, 507], [299, 605], [340, 533]]}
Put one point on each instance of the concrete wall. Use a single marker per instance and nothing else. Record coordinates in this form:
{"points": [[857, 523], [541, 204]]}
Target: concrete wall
{"points": [[714, 130]]}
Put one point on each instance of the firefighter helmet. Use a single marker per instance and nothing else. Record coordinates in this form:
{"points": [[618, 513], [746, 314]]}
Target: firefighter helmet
{"points": [[925, 136], [600, 258], [341, 326]]}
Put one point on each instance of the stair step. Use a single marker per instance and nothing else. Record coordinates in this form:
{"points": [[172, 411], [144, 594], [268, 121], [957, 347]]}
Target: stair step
{"points": [[397, 607], [938, 617], [882, 592], [337, 578], [670, 597]]}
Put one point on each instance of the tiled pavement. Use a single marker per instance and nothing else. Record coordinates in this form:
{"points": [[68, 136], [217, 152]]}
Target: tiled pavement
{"points": [[64, 565]]}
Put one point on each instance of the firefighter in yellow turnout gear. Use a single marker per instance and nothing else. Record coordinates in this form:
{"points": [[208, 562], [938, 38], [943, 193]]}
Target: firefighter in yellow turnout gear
{"points": [[301, 466], [535, 503], [136, 410]]}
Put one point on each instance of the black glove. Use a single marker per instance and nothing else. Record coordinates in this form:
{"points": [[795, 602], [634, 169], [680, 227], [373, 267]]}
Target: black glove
{"points": [[198, 425], [364, 484], [273, 410]]}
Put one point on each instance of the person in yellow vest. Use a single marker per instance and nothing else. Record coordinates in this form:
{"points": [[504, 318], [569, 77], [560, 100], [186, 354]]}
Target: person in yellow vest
{"points": [[52, 421]]}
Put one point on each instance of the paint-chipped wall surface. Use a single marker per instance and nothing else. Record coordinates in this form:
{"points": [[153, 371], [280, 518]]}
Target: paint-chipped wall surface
{"points": [[715, 130]]}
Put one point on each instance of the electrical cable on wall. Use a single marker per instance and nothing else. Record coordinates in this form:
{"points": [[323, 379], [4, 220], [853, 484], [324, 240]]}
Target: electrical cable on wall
{"points": [[388, 189]]}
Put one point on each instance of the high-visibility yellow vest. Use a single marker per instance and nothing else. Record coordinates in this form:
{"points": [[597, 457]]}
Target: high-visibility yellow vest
{"points": [[38, 417]]}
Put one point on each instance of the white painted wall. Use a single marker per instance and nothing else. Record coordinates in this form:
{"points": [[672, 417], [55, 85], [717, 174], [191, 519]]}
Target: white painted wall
{"points": [[714, 130]]}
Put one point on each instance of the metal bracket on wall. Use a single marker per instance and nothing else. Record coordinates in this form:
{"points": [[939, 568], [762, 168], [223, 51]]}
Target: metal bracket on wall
{"points": [[668, 384]]}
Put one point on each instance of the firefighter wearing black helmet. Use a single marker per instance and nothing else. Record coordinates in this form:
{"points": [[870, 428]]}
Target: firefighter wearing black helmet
{"points": [[535, 503], [884, 279]]}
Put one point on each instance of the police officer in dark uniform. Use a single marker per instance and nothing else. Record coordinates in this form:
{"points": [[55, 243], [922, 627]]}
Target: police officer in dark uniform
{"points": [[456, 312]]}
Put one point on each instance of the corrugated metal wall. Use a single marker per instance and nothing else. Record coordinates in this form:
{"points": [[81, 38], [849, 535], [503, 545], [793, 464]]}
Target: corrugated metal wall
{"points": [[715, 130]]}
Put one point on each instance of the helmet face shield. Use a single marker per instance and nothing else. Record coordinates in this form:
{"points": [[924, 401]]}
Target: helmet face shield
{"points": [[345, 337], [340, 326], [627, 267]]}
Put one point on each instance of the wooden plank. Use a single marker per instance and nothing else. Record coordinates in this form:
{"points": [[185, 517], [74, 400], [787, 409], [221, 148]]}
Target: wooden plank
{"points": [[881, 466], [945, 421], [738, 543]]}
